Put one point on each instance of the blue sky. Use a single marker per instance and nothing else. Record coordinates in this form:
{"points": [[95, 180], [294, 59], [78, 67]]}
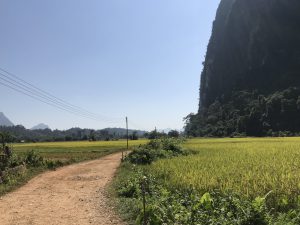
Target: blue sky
{"points": [[137, 58]]}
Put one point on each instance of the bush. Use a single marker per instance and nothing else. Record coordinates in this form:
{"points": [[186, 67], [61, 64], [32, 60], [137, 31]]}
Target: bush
{"points": [[9, 175], [156, 149], [52, 165], [130, 188], [33, 159], [15, 160]]}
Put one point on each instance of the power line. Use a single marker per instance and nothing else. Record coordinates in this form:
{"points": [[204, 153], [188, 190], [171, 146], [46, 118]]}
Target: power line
{"points": [[59, 101], [48, 100], [50, 96], [32, 91], [32, 96]]}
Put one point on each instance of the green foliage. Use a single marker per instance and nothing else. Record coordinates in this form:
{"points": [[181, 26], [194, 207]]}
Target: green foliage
{"points": [[33, 159], [156, 149], [244, 181], [189, 207], [15, 160], [250, 114], [155, 135], [134, 136], [173, 134], [130, 188], [5, 138], [21, 134], [53, 164]]}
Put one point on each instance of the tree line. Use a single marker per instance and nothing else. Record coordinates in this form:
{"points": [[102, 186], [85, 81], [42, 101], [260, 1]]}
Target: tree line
{"points": [[20, 134], [249, 113]]}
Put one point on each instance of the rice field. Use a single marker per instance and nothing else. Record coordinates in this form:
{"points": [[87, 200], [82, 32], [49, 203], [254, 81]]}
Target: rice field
{"points": [[250, 167], [76, 150]]}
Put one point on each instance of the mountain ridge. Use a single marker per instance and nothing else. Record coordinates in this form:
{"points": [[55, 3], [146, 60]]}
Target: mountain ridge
{"points": [[4, 121], [40, 126]]}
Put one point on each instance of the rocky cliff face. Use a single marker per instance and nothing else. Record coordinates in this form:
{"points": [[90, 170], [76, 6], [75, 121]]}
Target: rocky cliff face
{"points": [[255, 45]]}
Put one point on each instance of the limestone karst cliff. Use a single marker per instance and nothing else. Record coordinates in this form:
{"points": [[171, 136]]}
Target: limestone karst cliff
{"points": [[254, 45], [250, 83]]}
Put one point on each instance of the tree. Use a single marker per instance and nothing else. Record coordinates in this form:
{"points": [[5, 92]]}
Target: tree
{"points": [[173, 133], [5, 138], [134, 136], [92, 136]]}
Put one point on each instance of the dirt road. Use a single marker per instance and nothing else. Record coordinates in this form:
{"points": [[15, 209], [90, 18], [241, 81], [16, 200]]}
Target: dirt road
{"points": [[70, 195]]}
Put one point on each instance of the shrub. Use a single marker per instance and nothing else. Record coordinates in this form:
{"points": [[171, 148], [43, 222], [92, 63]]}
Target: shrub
{"points": [[130, 188], [52, 165], [9, 175], [33, 159], [15, 160], [156, 149]]}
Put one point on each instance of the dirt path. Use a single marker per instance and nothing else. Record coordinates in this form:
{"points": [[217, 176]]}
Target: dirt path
{"points": [[69, 195]]}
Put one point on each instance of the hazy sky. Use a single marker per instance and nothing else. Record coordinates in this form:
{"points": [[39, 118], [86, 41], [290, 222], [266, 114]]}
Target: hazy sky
{"points": [[140, 58]]}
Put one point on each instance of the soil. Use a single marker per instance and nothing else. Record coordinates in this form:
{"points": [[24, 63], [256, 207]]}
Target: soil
{"points": [[74, 194]]}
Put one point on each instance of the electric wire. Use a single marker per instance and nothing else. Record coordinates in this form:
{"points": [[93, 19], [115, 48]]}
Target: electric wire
{"points": [[48, 95], [32, 96], [39, 97], [42, 96]]}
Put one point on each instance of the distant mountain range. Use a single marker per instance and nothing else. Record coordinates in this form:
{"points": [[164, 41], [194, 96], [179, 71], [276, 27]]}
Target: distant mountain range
{"points": [[4, 121], [40, 126], [42, 132]]}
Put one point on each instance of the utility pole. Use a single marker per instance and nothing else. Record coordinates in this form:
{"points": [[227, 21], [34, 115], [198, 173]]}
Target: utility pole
{"points": [[126, 138], [127, 133]]}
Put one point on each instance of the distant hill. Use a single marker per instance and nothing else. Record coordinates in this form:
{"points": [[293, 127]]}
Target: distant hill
{"points": [[38, 134], [4, 121], [40, 126]]}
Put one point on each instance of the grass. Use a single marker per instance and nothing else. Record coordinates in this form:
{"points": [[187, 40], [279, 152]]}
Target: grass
{"points": [[64, 152], [127, 208], [77, 150], [20, 180], [250, 167]]}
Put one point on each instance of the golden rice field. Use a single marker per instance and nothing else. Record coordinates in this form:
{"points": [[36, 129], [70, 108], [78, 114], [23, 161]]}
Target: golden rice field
{"points": [[76, 150], [248, 166]]}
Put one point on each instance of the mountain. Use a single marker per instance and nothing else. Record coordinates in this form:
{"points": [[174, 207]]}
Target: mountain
{"points": [[40, 126], [254, 46], [4, 121], [251, 76]]}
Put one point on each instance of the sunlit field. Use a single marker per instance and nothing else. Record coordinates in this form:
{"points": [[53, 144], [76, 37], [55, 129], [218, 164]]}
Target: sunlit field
{"points": [[77, 150], [250, 167]]}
